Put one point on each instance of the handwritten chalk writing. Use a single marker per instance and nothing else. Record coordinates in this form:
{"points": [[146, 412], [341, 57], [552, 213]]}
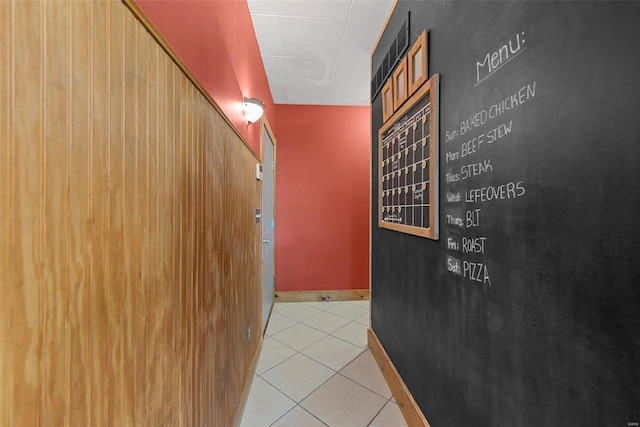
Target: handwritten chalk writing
{"points": [[493, 61], [417, 194], [450, 136], [499, 132], [510, 190], [476, 271], [452, 220], [478, 119], [453, 265], [473, 218], [472, 146], [392, 218], [452, 177], [473, 122], [473, 245], [452, 155], [475, 169], [453, 244], [512, 101], [453, 197]]}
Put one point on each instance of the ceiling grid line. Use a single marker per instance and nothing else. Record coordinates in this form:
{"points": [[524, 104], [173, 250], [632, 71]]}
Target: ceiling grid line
{"points": [[317, 52]]}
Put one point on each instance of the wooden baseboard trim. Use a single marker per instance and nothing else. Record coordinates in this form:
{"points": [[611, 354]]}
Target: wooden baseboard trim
{"points": [[309, 296], [246, 386], [410, 410]]}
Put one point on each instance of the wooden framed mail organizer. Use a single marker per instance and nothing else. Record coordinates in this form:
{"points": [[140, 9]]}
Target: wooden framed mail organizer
{"points": [[408, 165]]}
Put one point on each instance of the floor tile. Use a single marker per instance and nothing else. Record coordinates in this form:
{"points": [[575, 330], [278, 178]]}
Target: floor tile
{"points": [[321, 305], [299, 312], [298, 376], [265, 405], [347, 310], [361, 303], [333, 352], [364, 319], [355, 333], [298, 417], [365, 371], [277, 323], [273, 352], [390, 416], [279, 306], [342, 402], [326, 322], [299, 336]]}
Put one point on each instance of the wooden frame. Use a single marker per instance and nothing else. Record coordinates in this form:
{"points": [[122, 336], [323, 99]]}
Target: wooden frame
{"points": [[407, 404], [328, 295], [387, 100], [400, 89], [418, 63], [403, 146]]}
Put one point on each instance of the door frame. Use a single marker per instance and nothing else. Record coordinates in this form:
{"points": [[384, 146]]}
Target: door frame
{"points": [[267, 127]]}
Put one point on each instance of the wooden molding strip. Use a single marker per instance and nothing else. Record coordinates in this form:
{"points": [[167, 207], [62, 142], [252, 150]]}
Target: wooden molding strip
{"points": [[248, 380], [140, 16], [410, 410], [384, 27], [308, 296]]}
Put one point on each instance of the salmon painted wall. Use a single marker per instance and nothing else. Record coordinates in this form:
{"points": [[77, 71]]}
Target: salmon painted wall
{"points": [[217, 43], [322, 197]]}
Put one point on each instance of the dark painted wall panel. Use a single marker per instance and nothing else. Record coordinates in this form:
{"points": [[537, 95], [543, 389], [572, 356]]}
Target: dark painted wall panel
{"points": [[554, 339]]}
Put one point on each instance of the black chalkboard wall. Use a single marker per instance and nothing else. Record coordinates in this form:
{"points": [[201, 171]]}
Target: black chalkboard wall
{"points": [[526, 312]]}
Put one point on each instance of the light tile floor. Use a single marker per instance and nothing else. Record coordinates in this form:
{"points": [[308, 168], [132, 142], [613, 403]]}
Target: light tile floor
{"points": [[315, 370]]}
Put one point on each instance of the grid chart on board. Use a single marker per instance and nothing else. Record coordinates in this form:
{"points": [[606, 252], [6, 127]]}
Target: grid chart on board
{"points": [[404, 166]]}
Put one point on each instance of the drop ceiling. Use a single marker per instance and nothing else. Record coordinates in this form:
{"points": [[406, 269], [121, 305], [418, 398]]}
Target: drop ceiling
{"points": [[318, 52]]}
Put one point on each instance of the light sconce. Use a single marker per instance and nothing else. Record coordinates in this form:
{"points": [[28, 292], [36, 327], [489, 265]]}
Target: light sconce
{"points": [[253, 109]]}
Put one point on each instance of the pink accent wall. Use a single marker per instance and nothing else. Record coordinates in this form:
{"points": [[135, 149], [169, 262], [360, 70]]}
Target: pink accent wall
{"points": [[322, 197], [217, 43]]}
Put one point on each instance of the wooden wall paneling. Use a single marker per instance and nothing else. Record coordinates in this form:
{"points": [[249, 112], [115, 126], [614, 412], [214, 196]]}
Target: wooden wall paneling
{"points": [[198, 373], [131, 256], [131, 265], [211, 262], [141, 223], [153, 365], [55, 171], [191, 253], [173, 237], [78, 238], [115, 299], [25, 206], [218, 158], [182, 197], [99, 208], [161, 267], [5, 217]]}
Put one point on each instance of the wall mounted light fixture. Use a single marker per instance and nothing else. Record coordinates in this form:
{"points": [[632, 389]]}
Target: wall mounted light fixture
{"points": [[253, 109]]}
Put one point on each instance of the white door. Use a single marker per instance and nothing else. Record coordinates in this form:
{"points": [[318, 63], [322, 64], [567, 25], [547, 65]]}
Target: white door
{"points": [[268, 225]]}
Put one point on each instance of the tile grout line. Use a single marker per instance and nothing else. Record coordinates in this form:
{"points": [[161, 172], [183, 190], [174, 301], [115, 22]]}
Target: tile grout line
{"points": [[362, 351]]}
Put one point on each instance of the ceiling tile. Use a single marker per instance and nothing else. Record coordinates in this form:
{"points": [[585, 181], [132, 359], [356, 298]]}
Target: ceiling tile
{"points": [[349, 95], [311, 38], [308, 94], [375, 11], [315, 8], [276, 69], [268, 34], [358, 39], [317, 52], [280, 93], [352, 71], [263, 7], [310, 70]]}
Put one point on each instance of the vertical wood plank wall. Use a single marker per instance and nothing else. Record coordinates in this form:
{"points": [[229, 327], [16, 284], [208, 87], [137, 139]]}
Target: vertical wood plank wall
{"points": [[129, 254]]}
